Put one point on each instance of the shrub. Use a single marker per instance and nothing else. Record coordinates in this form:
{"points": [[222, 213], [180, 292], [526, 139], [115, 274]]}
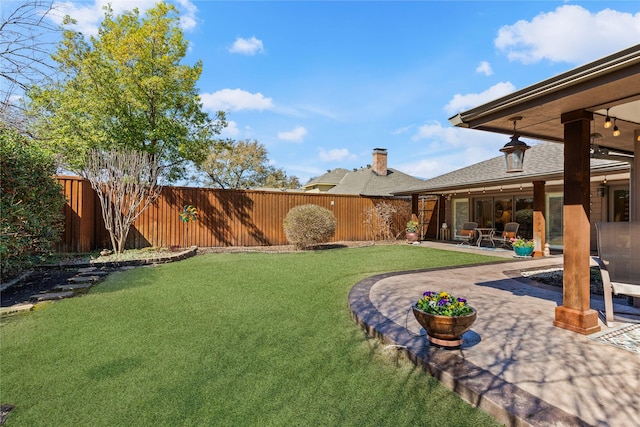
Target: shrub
{"points": [[31, 203], [384, 221], [309, 225]]}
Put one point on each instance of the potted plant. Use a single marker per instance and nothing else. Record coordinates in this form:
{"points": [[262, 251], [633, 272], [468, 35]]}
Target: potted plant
{"points": [[522, 247], [444, 317], [412, 230]]}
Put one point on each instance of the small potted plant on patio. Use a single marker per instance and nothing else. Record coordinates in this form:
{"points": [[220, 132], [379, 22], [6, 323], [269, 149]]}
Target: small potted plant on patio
{"points": [[412, 229], [522, 247], [444, 317]]}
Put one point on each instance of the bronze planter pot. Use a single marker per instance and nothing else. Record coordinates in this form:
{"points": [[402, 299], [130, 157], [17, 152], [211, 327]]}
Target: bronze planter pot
{"points": [[412, 237], [444, 331]]}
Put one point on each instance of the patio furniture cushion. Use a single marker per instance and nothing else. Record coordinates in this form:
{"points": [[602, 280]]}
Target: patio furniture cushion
{"points": [[510, 232], [468, 232]]}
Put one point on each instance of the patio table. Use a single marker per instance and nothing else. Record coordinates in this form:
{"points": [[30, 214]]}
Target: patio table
{"points": [[485, 233]]}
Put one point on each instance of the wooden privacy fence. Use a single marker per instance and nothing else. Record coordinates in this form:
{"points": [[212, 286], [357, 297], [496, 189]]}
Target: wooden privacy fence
{"points": [[225, 217]]}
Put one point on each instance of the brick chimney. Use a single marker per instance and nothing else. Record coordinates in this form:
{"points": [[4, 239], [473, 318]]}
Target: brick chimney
{"points": [[380, 161]]}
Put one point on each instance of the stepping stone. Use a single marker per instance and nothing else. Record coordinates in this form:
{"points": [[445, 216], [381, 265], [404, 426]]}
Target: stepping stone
{"points": [[51, 296], [83, 279], [87, 269], [72, 287], [93, 273]]}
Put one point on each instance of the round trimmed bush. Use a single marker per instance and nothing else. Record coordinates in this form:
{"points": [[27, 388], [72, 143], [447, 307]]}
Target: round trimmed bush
{"points": [[309, 225]]}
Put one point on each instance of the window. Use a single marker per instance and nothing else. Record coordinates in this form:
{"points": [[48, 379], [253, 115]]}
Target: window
{"points": [[483, 212], [460, 213], [554, 208], [503, 213], [524, 217], [619, 204]]}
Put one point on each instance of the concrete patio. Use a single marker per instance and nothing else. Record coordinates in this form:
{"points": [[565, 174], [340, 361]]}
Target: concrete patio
{"points": [[514, 363]]}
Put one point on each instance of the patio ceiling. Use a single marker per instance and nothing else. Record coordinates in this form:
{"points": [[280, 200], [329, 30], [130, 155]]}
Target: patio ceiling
{"points": [[612, 82]]}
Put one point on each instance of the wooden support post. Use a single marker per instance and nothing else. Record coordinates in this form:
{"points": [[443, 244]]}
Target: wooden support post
{"points": [[575, 314], [635, 180], [539, 221]]}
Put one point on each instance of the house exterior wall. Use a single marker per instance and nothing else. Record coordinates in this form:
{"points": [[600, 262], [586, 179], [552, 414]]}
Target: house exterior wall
{"points": [[600, 202]]}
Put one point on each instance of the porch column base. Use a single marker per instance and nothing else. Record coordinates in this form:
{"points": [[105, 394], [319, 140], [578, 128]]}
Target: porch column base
{"points": [[584, 322]]}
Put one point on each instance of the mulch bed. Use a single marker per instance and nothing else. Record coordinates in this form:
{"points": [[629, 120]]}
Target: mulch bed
{"points": [[36, 282]]}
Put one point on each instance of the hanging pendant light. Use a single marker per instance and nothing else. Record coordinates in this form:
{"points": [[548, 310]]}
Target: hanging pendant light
{"points": [[607, 121], [616, 131], [514, 150]]}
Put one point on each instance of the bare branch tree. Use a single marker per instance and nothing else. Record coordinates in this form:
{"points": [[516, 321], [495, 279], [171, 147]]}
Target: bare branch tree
{"points": [[382, 219], [126, 183], [27, 38]]}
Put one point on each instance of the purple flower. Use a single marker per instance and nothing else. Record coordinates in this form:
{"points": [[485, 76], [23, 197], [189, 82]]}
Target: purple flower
{"points": [[462, 300]]}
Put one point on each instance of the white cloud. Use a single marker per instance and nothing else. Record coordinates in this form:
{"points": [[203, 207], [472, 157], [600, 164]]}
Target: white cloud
{"points": [[294, 135], [484, 68], [433, 130], [89, 15], [335, 155], [569, 34], [188, 14], [247, 46], [402, 130], [447, 136], [461, 102], [449, 148], [235, 100], [231, 131]]}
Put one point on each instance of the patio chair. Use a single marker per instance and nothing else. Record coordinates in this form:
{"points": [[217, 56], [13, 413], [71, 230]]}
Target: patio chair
{"points": [[619, 261], [510, 231], [468, 232]]}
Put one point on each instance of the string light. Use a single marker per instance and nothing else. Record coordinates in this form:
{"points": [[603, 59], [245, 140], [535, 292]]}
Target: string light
{"points": [[616, 131], [605, 179], [607, 121]]}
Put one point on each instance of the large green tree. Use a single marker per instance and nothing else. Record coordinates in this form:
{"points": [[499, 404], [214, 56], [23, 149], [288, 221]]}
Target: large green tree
{"points": [[244, 165], [126, 88]]}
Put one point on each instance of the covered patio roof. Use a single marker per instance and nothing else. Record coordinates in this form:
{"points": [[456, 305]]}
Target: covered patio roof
{"points": [[544, 162], [569, 109], [612, 82]]}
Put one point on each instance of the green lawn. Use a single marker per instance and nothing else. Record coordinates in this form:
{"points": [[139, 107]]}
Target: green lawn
{"points": [[224, 339]]}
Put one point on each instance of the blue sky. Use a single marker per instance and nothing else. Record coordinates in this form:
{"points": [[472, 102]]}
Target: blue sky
{"points": [[321, 84]]}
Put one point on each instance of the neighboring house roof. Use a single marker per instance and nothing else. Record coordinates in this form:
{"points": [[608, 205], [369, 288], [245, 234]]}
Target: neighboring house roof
{"points": [[332, 177], [366, 182], [542, 161]]}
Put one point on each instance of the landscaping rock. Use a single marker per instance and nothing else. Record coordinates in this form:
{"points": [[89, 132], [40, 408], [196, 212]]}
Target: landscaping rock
{"points": [[99, 273], [83, 279], [51, 296], [74, 287]]}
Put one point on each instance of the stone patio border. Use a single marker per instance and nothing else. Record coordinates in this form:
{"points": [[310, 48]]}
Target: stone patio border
{"points": [[507, 403]]}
